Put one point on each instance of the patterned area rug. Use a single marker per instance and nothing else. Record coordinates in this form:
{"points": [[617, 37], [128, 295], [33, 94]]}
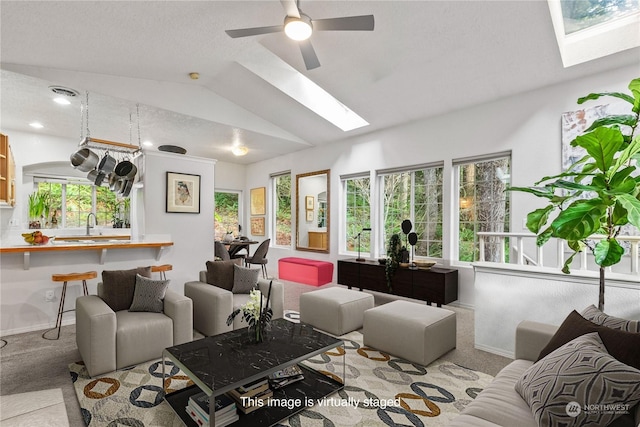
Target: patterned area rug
{"points": [[414, 395]]}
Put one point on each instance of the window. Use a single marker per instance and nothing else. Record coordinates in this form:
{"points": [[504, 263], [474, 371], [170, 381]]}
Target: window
{"points": [[69, 204], [414, 194], [483, 205], [357, 213], [590, 29], [281, 186], [226, 213]]}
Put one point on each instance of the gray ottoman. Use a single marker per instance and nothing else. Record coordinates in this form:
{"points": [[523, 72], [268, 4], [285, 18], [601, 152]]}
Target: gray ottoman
{"points": [[334, 310], [416, 332]]}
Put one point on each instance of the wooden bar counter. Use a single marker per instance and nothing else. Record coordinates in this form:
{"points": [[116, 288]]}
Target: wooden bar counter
{"points": [[101, 244]]}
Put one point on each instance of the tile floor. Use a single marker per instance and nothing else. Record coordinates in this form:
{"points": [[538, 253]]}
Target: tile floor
{"points": [[36, 408]]}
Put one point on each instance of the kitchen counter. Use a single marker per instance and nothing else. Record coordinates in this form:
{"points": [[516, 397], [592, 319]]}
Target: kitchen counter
{"points": [[85, 243]]}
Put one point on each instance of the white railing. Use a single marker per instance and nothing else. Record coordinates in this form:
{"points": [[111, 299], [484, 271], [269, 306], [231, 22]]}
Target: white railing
{"points": [[517, 243]]}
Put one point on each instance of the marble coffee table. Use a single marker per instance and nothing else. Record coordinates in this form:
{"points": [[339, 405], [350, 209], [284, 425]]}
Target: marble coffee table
{"points": [[221, 363]]}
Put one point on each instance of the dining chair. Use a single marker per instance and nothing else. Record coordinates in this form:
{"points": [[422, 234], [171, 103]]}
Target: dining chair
{"points": [[260, 257], [220, 251]]}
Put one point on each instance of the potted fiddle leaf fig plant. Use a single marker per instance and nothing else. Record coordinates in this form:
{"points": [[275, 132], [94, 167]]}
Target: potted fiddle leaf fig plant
{"points": [[599, 193]]}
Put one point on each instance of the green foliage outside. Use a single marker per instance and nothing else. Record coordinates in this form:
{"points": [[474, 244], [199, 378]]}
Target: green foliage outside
{"points": [[226, 214], [282, 186]]}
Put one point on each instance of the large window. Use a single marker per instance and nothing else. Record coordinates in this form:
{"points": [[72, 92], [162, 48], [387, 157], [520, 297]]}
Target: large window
{"points": [[357, 213], [281, 185], [414, 194], [69, 204], [227, 214], [483, 205]]}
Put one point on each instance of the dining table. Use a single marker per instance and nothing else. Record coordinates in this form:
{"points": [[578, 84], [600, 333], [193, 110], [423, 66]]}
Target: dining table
{"points": [[237, 245]]}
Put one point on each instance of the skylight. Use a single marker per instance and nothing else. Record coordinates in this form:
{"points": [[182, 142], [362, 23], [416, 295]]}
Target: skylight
{"points": [[590, 29], [287, 79]]}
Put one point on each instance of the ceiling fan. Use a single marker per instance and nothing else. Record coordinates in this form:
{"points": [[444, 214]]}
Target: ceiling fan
{"points": [[299, 26]]}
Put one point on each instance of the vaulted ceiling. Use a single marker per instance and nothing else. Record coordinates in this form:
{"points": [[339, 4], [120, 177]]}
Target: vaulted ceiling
{"points": [[424, 58]]}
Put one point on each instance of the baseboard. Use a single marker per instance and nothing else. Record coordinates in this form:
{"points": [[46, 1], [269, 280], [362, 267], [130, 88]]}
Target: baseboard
{"points": [[497, 351], [34, 328]]}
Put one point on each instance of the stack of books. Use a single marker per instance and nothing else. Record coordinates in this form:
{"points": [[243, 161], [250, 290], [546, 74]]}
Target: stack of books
{"points": [[225, 411], [288, 375], [252, 396]]}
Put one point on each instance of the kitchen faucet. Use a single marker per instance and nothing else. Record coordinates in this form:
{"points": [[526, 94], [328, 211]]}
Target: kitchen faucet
{"points": [[89, 226]]}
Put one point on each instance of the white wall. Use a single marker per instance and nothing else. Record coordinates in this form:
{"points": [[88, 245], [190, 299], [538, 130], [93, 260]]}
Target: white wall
{"points": [[527, 124]]}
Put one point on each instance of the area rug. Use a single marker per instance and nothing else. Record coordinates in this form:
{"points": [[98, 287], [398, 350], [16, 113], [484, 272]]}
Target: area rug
{"points": [[380, 390]]}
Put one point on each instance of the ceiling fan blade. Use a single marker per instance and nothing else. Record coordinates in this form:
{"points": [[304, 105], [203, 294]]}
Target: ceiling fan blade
{"points": [[291, 7], [309, 55], [244, 32], [347, 23]]}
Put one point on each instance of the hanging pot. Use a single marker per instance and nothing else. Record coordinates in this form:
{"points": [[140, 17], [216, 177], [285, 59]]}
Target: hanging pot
{"points": [[107, 164], [84, 160], [96, 176], [126, 169], [128, 184], [114, 181]]}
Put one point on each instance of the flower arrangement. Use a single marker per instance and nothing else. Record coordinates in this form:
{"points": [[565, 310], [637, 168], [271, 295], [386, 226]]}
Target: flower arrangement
{"points": [[256, 317]]}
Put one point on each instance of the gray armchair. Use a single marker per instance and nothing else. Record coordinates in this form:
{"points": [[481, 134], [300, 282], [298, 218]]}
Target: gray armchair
{"points": [[109, 340], [212, 305]]}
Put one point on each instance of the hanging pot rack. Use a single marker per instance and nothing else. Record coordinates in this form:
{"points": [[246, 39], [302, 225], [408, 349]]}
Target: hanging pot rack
{"points": [[86, 141]]}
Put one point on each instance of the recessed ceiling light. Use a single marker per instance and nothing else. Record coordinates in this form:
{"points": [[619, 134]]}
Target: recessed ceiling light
{"points": [[36, 125], [147, 143], [239, 150], [62, 101]]}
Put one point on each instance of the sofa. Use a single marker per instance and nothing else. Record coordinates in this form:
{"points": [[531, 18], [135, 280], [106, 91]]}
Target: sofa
{"points": [[214, 301], [499, 404]]}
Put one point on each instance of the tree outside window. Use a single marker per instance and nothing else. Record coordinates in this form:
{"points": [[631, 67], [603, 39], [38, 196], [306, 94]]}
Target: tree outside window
{"points": [[282, 208], [226, 213], [483, 206], [357, 213], [415, 195]]}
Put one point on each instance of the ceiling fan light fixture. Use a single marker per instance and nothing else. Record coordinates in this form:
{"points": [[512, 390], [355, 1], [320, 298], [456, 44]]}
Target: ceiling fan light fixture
{"points": [[298, 28]]}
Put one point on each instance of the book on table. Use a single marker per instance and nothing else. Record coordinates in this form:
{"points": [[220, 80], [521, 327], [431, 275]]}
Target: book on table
{"points": [[225, 409], [253, 385], [279, 383], [239, 393], [248, 404]]}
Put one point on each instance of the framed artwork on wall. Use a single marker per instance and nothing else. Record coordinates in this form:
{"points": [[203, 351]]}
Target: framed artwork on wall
{"points": [[257, 226], [258, 201], [309, 202], [309, 216], [183, 193]]}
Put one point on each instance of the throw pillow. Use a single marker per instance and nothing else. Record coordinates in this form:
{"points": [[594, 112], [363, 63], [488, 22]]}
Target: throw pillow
{"points": [[220, 274], [580, 374], [118, 286], [598, 317], [149, 294], [620, 344], [244, 279]]}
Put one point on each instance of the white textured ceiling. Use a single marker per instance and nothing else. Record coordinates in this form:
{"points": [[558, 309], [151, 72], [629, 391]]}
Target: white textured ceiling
{"points": [[424, 58]]}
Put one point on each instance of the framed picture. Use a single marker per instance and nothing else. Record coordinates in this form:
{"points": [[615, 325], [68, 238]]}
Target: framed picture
{"points": [[257, 226], [183, 193], [257, 201], [309, 202], [309, 216]]}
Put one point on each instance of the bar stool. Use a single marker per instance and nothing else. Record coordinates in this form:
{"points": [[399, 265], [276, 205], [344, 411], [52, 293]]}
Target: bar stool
{"points": [[162, 269], [68, 278]]}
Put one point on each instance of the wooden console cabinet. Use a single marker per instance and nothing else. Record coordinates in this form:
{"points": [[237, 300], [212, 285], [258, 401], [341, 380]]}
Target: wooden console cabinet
{"points": [[436, 285]]}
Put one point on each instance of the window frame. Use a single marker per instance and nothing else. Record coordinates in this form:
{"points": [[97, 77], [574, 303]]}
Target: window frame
{"points": [[239, 193], [273, 211], [455, 191], [342, 229]]}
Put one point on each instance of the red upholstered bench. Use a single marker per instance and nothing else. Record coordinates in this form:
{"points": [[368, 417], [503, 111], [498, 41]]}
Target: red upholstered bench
{"points": [[308, 271]]}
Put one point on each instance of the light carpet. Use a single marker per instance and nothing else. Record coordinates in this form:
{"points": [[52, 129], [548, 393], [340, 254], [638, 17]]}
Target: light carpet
{"points": [[431, 395]]}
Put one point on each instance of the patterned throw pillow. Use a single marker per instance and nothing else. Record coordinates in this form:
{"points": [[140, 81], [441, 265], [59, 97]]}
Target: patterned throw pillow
{"points": [[149, 294], [118, 286], [244, 279], [573, 385], [599, 318]]}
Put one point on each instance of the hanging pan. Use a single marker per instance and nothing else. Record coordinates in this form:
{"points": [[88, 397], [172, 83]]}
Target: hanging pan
{"points": [[107, 164], [84, 160], [126, 169]]}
